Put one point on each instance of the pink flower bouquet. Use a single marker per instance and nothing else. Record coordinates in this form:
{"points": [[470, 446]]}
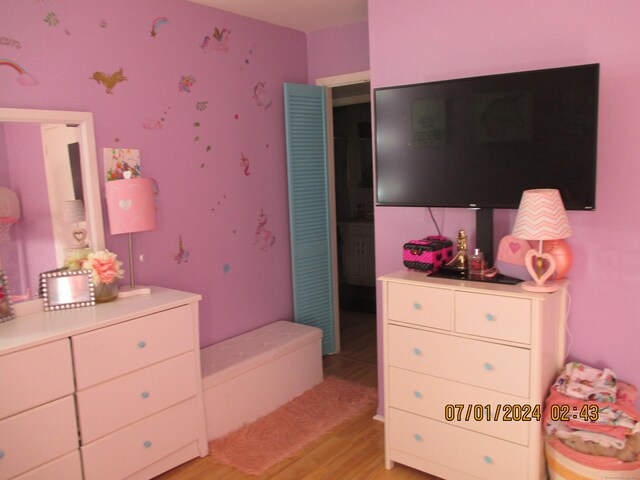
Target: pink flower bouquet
{"points": [[105, 267]]}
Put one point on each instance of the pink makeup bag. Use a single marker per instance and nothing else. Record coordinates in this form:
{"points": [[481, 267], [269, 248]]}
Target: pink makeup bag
{"points": [[428, 254]]}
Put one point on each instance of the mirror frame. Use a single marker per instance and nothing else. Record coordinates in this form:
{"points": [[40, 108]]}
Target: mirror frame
{"points": [[89, 167]]}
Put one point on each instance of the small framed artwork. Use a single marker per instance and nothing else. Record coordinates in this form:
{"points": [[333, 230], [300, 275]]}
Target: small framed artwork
{"points": [[6, 306], [67, 289], [121, 163]]}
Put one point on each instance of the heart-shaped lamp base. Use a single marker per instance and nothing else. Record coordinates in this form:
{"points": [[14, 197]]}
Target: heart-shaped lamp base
{"points": [[538, 284], [80, 235]]}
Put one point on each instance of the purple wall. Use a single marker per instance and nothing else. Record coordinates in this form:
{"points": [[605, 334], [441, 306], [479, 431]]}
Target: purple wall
{"points": [[338, 50], [416, 40], [206, 195], [220, 165]]}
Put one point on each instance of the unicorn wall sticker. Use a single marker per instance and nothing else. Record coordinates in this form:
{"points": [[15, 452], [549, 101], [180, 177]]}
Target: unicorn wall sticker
{"points": [[264, 237]]}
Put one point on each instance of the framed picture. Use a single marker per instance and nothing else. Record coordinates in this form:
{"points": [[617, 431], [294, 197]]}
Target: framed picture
{"points": [[6, 307], [67, 289], [117, 161]]}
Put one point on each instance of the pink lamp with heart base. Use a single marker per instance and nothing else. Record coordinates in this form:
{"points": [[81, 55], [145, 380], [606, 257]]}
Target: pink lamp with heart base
{"points": [[541, 216], [132, 209]]}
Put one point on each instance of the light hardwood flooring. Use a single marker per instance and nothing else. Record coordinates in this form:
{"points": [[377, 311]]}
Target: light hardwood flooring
{"points": [[352, 451]]}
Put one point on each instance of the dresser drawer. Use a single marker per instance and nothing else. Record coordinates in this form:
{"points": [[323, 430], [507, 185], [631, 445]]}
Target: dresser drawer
{"points": [[67, 467], [35, 376], [493, 316], [37, 436], [133, 448], [428, 396], [112, 351], [475, 454], [474, 362], [112, 405], [429, 307]]}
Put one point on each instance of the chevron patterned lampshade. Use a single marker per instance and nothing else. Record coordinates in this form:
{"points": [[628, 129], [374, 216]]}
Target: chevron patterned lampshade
{"points": [[541, 216]]}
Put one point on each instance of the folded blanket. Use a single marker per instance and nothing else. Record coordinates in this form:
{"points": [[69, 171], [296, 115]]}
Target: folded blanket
{"points": [[587, 383], [616, 420]]}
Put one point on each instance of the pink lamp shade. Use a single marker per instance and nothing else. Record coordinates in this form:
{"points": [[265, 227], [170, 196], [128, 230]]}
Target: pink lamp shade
{"points": [[131, 206], [9, 206], [541, 216], [9, 212]]}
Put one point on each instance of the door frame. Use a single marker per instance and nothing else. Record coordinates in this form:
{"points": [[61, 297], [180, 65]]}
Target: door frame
{"points": [[328, 83]]}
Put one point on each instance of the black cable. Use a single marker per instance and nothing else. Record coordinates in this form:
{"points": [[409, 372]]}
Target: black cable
{"points": [[434, 220]]}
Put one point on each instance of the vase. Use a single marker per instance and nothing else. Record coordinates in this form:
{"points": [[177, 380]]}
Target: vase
{"points": [[106, 292]]}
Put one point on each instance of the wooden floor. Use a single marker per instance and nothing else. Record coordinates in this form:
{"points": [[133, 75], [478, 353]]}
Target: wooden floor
{"points": [[353, 451]]}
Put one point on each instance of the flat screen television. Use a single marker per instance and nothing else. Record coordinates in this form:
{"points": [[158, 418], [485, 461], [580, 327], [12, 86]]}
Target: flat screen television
{"points": [[479, 142]]}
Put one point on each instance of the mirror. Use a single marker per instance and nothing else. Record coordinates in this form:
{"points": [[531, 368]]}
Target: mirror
{"points": [[33, 165]]}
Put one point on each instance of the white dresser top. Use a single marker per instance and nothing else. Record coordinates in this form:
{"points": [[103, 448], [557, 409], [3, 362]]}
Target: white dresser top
{"points": [[414, 277], [37, 328]]}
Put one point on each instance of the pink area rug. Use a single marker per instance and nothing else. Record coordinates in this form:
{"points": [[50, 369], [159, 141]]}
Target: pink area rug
{"points": [[256, 447]]}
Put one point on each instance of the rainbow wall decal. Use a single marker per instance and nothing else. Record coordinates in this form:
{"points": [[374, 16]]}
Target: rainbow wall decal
{"points": [[156, 23], [24, 78], [14, 65]]}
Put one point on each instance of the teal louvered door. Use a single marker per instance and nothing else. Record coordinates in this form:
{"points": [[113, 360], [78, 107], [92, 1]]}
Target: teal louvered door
{"points": [[309, 214]]}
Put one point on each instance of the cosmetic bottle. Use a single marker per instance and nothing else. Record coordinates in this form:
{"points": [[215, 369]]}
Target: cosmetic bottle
{"points": [[476, 262]]}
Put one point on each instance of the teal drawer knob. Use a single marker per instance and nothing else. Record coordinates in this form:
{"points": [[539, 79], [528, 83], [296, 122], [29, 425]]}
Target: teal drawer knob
{"points": [[147, 444], [144, 394], [417, 306], [490, 317], [142, 344], [488, 367], [418, 437], [488, 460], [417, 351], [417, 394]]}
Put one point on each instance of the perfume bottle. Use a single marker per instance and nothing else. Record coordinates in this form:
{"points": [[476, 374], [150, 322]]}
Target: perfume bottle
{"points": [[476, 262]]}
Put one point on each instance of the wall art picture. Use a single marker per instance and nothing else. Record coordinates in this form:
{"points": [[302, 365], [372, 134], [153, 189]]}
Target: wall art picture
{"points": [[118, 161]]}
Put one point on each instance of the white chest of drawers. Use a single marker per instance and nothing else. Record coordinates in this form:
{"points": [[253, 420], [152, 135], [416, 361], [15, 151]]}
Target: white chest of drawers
{"points": [[460, 359], [105, 392]]}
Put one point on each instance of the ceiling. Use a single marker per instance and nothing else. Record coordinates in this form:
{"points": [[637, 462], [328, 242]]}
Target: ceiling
{"points": [[304, 15]]}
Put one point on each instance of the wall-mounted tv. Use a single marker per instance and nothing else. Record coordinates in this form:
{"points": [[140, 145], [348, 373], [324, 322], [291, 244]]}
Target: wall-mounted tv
{"points": [[479, 142]]}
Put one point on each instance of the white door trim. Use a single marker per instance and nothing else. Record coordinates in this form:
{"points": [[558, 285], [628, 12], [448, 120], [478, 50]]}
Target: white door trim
{"points": [[345, 79]]}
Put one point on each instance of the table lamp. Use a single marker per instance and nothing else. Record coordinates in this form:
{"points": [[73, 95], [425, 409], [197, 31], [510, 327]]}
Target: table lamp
{"points": [[131, 208], [74, 213], [9, 212], [541, 216]]}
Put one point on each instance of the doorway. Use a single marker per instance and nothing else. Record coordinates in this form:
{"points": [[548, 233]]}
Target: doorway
{"points": [[350, 152], [353, 177]]}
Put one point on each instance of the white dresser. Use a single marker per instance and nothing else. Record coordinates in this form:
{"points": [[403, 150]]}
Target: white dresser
{"points": [[106, 392], [467, 366]]}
